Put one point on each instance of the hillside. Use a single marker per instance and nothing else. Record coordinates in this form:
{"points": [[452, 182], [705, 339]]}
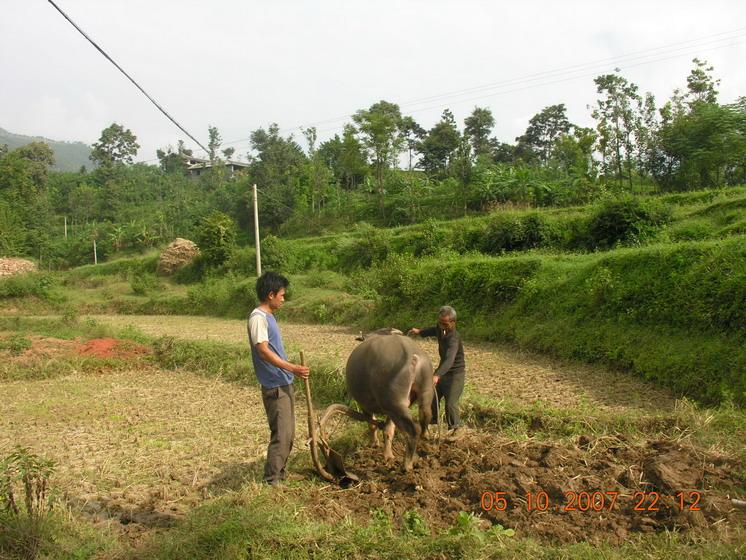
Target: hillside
{"points": [[69, 156]]}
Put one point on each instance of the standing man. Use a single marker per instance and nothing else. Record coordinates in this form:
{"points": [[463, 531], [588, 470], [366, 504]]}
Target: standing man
{"points": [[451, 373], [274, 372]]}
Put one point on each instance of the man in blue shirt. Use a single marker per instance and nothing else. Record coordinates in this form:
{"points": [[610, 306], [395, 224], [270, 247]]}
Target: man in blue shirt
{"points": [[274, 372]]}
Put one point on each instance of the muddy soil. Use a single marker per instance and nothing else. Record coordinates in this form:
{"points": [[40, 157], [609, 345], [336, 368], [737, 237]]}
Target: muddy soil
{"points": [[595, 490]]}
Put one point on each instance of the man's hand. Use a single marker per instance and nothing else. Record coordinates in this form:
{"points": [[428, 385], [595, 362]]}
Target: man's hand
{"points": [[413, 330], [435, 379], [300, 371]]}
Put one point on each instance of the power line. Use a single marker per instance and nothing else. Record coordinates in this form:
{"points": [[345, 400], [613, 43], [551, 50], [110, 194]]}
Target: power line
{"points": [[682, 48], [153, 101], [545, 78]]}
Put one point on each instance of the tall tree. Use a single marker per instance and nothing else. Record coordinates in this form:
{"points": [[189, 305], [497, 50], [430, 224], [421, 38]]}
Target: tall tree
{"points": [[276, 166], [439, 146], [701, 84], [353, 163], [317, 173], [214, 142], [380, 129], [616, 115], [413, 134], [543, 129], [116, 146], [478, 128]]}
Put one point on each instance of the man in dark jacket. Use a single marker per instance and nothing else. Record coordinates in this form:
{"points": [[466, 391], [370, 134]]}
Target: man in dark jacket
{"points": [[450, 376]]}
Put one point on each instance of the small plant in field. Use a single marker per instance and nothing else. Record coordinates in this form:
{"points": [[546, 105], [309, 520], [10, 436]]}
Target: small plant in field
{"points": [[16, 344], [414, 524], [24, 502], [141, 282], [70, 315]]}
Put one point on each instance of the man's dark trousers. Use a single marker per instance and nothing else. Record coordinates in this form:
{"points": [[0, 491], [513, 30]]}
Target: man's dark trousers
{"points": [[450, 386], [279, 404]]}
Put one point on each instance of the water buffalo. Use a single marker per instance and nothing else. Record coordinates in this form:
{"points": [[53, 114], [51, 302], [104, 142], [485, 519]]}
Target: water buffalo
{"points": [[386, 374]]}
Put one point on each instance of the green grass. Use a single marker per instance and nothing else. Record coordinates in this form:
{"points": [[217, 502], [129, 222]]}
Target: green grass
{"points": [[244, 525]]}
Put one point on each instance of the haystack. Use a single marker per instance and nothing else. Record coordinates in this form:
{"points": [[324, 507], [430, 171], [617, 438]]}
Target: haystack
{"points": [[177, 255], [10, 267]]}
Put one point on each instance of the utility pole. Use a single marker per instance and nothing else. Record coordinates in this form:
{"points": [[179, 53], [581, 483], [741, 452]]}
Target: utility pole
{"points": [[65, 227], [95, 254], [256, 235]]}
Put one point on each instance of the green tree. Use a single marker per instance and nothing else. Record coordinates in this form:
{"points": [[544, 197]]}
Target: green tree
{"points": [[701, 84], [317, 172], [543, 129], [353, 163], [41, 158], [380, 129], [214, 142], [276, 168], [116, 146], [478, 128], [617, 121], [704, 147], [439, 146], [216, 237], [413, 134]]}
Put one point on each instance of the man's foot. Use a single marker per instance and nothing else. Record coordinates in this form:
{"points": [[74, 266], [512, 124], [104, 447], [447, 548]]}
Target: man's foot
{"points": [[455, 433]]}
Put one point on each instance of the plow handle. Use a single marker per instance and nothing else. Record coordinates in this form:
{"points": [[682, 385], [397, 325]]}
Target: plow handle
{"points": [[312, 433]]}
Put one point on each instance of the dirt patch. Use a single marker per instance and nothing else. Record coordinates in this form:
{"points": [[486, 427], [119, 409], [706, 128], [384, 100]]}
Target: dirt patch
{"points": [[111, 348], [569, 489]]}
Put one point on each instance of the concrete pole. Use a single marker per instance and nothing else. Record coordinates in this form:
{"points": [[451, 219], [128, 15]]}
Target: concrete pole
{"points": [[256, 235], [65, 227], [95, 254]]}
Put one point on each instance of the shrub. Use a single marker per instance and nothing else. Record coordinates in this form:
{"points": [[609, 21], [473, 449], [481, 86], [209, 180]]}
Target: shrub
{"points": [[33, 284], [369, 245], [625, 220], [24, 490], [216, 237]]}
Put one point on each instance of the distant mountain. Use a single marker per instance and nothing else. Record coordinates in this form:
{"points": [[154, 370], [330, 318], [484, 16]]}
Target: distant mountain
{"points": [[68, 156]]}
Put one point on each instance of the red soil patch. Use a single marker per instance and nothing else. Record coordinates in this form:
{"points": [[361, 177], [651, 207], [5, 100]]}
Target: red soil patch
{"points": [[111, 348]]}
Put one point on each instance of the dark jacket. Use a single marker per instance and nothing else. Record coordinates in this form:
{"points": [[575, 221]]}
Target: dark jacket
{"points": [[450, 349]]}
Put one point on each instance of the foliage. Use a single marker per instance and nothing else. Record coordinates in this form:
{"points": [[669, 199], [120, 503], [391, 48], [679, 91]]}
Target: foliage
{"points": [[216, 237], [32, 284], [653, 311], [116, 146], [625, 220], [24, 489]]}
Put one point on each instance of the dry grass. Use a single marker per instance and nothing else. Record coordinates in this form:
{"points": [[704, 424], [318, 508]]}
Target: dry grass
{"points": [[140, 446], [494, 370]]}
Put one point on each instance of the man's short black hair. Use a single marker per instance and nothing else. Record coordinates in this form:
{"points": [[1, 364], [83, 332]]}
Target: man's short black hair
{"points": [[270, 282]]}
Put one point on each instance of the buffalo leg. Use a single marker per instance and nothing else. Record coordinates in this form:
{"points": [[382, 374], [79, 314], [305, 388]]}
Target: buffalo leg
{"points": [[403, 420], [388, 438]]}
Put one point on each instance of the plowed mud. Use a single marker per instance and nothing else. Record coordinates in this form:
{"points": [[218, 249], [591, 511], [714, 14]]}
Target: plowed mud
{"points": [[570, 488]]}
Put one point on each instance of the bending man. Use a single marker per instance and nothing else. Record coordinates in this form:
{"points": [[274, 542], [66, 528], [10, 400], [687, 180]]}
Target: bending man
{"points": [[451, 373]]}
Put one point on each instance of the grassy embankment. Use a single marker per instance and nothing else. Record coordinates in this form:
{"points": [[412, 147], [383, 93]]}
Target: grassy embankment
{"points": [[655, 286]]}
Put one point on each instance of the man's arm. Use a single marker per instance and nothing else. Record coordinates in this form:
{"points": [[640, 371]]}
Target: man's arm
{"points": [[266, 354], [424, 333], [447, 362]]}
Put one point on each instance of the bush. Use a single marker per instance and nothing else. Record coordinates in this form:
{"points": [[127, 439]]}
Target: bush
{"points": [[627, 220], [24, 491], [369, 245], [32, 284], [216, 237]]}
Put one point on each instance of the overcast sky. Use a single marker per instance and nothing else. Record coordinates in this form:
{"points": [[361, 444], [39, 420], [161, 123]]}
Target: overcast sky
{"points": [[240, 65]]}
